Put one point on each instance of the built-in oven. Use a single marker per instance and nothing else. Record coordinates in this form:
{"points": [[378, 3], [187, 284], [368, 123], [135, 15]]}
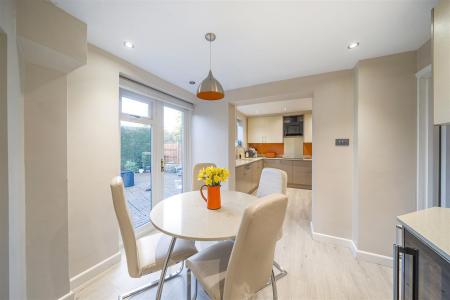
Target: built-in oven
{"points": [[293, 125]]}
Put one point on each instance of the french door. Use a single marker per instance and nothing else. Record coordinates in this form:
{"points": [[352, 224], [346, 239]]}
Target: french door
{"points": [[153, 153]]}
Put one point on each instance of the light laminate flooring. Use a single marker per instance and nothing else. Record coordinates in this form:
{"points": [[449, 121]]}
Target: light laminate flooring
{"points": [[317, 270]]}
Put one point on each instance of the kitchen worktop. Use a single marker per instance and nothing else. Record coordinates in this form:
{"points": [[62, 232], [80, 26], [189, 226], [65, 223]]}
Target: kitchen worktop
{"points": [[246, 161], [432, 226]]}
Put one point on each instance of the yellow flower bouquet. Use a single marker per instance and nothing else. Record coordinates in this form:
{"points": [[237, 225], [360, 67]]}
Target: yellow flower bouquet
{"points": [[213, 176]]}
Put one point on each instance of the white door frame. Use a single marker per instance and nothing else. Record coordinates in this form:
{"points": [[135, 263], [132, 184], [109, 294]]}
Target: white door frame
{"points": [[427, 157]]}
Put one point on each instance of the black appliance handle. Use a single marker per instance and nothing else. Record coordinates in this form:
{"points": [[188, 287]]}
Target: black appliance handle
{"points": [[399, 250]]}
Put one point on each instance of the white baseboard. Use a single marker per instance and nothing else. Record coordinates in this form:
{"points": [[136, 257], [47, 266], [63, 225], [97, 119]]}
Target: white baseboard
{"points": [[79, 281], [330, 238], [358, 254], [69, 296]]}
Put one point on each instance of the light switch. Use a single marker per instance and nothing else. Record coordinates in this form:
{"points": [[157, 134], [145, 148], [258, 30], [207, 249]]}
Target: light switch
{"points": [[342, 142]]}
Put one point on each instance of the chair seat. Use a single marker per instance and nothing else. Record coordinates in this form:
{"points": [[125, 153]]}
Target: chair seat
{"points": [[210, 267], [153, 249]]}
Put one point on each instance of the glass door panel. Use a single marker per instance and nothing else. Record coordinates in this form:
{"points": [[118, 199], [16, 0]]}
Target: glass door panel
{"points": [[136, 169], [173, 151]]}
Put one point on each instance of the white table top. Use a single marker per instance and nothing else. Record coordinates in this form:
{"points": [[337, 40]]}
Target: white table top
{"points": [[186, 216]]}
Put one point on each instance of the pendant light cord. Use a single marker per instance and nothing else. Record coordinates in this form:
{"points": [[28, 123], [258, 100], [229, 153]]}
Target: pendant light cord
{"points": [[210, 64]]}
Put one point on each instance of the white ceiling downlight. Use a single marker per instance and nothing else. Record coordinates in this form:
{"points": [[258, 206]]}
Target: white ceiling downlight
{"points": [[128, 44], [352, 45]]}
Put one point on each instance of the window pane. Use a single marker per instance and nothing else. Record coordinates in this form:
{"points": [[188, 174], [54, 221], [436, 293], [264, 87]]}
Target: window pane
{"points": [[173, 152], [135, 108], [135, 166]]}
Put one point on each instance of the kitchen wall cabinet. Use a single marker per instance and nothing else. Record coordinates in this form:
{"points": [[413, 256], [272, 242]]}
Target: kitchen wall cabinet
{"points": [[307, 128], [265, 129], [441, 62]]}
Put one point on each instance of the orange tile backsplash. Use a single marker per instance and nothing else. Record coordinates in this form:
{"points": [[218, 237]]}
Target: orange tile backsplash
{"points": [[307, 149], [278, 148]]}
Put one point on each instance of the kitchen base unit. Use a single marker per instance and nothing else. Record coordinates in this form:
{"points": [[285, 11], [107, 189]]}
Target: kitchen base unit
{"points": [[422, 256]]}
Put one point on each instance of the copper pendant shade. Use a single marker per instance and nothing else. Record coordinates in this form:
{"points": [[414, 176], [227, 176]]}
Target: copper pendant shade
{"points": [[210, 88]]}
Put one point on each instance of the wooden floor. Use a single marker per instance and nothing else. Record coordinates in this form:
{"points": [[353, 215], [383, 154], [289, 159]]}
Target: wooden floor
{"points": [[317, 270]]}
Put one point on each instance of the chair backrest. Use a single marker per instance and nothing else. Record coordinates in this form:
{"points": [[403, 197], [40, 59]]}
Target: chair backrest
{"points": [[125, 225], [197, 184], [250, 264], [272, 181]]}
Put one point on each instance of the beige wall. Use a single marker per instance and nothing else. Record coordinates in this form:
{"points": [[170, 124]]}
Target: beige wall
{"points": [[93, 160], [94, 154], [332, 166], [424, 55], [15, 165], [386, 148], [46, 178], [4, 218], [211, 134]]}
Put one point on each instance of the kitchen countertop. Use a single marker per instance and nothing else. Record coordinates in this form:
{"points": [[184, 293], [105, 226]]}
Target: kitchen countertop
{"points": [[432, 226], [246, 161]]}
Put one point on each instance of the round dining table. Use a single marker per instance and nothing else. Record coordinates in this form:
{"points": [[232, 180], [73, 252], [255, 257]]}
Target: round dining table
{"points": [[185, 216]]}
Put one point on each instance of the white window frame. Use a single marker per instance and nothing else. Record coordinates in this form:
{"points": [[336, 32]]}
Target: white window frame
{"points": [[156, 121]]}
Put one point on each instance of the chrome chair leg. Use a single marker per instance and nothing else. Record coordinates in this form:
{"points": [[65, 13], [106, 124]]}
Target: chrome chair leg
{"points": [[282, 271], [188, 285], [281, 274], [164, 269], [151, 284], [274, 286]]}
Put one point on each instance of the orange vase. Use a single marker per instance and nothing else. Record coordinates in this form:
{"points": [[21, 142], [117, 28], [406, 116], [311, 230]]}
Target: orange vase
{"points": [[213, 199]]}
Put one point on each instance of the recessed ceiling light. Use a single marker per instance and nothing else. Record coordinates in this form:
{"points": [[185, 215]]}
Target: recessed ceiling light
{"points": [[128, 44], [353, 45], [192, 82]]}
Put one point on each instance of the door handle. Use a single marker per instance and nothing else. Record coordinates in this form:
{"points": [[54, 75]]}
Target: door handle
{"points": [[162, 165]]}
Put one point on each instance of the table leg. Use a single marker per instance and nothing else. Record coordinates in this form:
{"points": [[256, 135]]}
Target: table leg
{"points": [[164, 269]]}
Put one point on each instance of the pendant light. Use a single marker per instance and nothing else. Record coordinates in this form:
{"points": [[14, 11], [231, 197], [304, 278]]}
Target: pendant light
{"points": [[210, 88]]}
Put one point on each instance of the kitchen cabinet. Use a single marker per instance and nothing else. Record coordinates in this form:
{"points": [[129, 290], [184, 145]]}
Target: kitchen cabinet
{"points": [[307, 128], [441, 62], [299, 171], [265, 129], [422, 256], [247, 176], [302, 174]]}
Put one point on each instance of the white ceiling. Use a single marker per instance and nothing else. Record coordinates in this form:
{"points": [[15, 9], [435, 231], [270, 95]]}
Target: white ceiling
{"points": [[277, 107], [256, 42]]}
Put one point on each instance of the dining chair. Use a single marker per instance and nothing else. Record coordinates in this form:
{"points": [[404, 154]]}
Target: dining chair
{"points": [[147, 254], [273, 181], [197, 184], [238, 270]]}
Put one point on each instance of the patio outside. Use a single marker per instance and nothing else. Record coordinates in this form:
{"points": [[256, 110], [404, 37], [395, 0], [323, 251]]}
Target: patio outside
{"points": [[139, 195], [136, 163]]}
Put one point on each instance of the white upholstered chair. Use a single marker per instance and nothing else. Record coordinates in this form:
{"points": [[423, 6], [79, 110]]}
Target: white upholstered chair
{"points": [[273, 181], [197, 184], [147, 254], [238, 270]]}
